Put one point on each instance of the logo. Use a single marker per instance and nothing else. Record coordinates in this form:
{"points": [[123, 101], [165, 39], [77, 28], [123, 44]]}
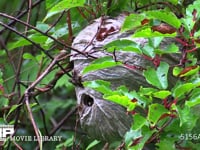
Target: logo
{"points": [[8, 130], [5, 131]]}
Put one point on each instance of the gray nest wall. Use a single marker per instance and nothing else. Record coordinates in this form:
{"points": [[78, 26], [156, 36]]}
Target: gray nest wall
{"points": [[102, 119]]}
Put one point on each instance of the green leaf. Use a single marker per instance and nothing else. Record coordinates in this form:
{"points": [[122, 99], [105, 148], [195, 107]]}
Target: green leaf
{"points": [[188, 23], [37, 38], [148, 33], [123, 45], [92, 144], [176, 71], [148, 50], [67, 143], [161, 94], [166, 143], [145, 133], [13, 108], [122, 100], [141, 100], [63, 5], [132, 21], [183, 89], [192, 7], [172, 48], [139, 122], [29, 56], [155, 42], [147, 91], [3, 101], [155, 112], [99, 85], [194, 99], [197, 34], [44, 27], [165, 16], [175, 2], [131, 135], [51, 3], [58, 33], [186, 117], [100, 63], [158, 77], [193, 71]]}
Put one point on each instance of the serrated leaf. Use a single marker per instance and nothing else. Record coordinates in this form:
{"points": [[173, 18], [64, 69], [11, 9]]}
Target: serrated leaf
{"points": [[132, 21], [148, 33], [165, 16], [155, 112], [183, 89], [63, 5], [139, 122], [123, 45], [100, 63], [161, 94], [158, 77]]}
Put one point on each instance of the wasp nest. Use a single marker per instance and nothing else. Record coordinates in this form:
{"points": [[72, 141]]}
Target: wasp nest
{"points": [[102, 119]]}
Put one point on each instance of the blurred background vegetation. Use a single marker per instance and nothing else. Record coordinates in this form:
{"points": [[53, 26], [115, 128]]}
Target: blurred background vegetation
{"points": [[52, 100]]}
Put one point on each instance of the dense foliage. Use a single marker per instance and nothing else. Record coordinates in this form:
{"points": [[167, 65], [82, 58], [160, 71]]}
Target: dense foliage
{"points": [[37, 97]]}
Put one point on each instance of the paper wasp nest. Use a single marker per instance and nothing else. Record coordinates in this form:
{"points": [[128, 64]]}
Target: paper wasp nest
{"points": [[102, 119]]}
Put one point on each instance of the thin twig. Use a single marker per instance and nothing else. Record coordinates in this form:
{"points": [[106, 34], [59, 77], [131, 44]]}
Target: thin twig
{"points": [[17, 77], [97, 32], [21, 15], [69, 114], [36, 45], [32, 27], [69, 24], [19, 147], [82, 13], [52, 132], [48, 69], [55, 22]]}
